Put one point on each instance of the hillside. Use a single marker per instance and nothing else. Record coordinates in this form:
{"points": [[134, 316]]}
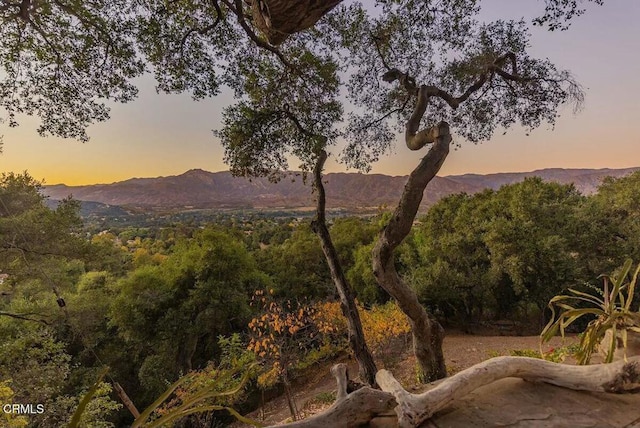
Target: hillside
{"points": [[201, 189]]}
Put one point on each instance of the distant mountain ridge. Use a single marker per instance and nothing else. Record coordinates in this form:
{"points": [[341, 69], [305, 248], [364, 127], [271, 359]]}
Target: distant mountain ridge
{"points": [[201, 189]]}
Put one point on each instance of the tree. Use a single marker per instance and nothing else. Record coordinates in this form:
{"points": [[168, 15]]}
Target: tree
{"points": [[618, 202], [530, 241], [478, 77], [32, 233], [170, 315], [279, 19], [281, 334], [501, 253], [452, 277], [40, 250], [62, 60], [296, 266], [405, 57]]}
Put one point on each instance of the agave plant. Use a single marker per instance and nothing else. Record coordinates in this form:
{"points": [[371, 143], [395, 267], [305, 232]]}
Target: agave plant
{"points": [[611, 306], [77, 415], [197, 403]]}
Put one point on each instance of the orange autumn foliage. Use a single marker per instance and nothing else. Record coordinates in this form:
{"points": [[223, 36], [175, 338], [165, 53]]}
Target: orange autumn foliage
{"points": [[381, 324], [280, 335]]}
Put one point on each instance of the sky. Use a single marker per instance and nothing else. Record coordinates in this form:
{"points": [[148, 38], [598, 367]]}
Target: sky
{"points": [[160, 135]]}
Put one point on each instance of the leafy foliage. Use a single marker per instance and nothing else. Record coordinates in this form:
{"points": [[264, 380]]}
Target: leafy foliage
{"points": [[82, 415], [61, 60], [9, 419], [30, 232], [557, 14], [280, 335], [181, 306], [297, 266], [445, 48], [382, 325], [498, 252]]}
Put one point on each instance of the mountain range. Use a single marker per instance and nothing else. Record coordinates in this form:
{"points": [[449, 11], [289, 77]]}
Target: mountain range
{"points": [[198, 189]]}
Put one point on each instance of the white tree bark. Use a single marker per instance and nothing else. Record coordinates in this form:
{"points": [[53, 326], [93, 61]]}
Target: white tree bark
{"points": [[361, 406], [413, 409]]}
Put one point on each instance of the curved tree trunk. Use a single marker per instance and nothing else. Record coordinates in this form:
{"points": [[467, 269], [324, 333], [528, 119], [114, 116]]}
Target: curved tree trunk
{"points": [[427, 332], [278, 19], [367, 367], [413, 409]]}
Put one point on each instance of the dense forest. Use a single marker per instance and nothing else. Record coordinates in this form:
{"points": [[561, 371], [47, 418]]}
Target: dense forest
{"points": [[153, 304]]}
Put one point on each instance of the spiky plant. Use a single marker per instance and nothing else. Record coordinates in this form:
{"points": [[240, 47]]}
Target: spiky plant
{"points": [[610, 306]]}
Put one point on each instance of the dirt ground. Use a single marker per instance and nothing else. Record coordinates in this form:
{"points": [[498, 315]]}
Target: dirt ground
{"points": [[461, 351]]}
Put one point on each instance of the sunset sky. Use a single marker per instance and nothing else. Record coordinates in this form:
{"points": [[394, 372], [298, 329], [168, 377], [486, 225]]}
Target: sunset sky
{"points": [[160, 135]]}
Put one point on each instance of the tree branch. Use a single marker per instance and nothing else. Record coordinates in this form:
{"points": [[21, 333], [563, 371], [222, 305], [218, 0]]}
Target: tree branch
{"points": [[375, 42], [413, 409], [416, 139], [23, 250], [203, 30], [92, 22], [24, 317], [293, 118], [44, 36], [236, 7], [362, 406], [349, 410], [386, 115]]}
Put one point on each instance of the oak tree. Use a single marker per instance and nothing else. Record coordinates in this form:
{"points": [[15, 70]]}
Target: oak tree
{"points": [[428, 69]]}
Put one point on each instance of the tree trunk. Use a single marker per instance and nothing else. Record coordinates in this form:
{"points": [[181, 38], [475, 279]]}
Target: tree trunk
{"points": [[278, 19], [367, 367], [427, 332], [289, 395]]}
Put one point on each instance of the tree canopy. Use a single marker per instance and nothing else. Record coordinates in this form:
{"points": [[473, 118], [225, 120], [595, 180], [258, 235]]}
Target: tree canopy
{"points": [[431, 69], [65, 61]]}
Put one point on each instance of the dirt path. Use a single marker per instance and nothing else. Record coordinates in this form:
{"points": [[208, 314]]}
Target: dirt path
{"points": [[461, 351]]}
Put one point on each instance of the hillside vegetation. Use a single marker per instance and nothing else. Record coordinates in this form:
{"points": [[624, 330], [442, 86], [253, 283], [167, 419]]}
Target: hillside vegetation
{"points": [[153, 304]]}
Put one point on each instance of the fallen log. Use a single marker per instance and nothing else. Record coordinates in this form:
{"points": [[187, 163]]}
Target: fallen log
{"points": [[363, 405], [413, 409]]}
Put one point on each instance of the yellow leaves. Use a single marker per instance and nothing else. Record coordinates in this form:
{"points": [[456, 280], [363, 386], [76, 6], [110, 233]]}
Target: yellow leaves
{"points": [[380, 323], [9, 419], [270, 377]]}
